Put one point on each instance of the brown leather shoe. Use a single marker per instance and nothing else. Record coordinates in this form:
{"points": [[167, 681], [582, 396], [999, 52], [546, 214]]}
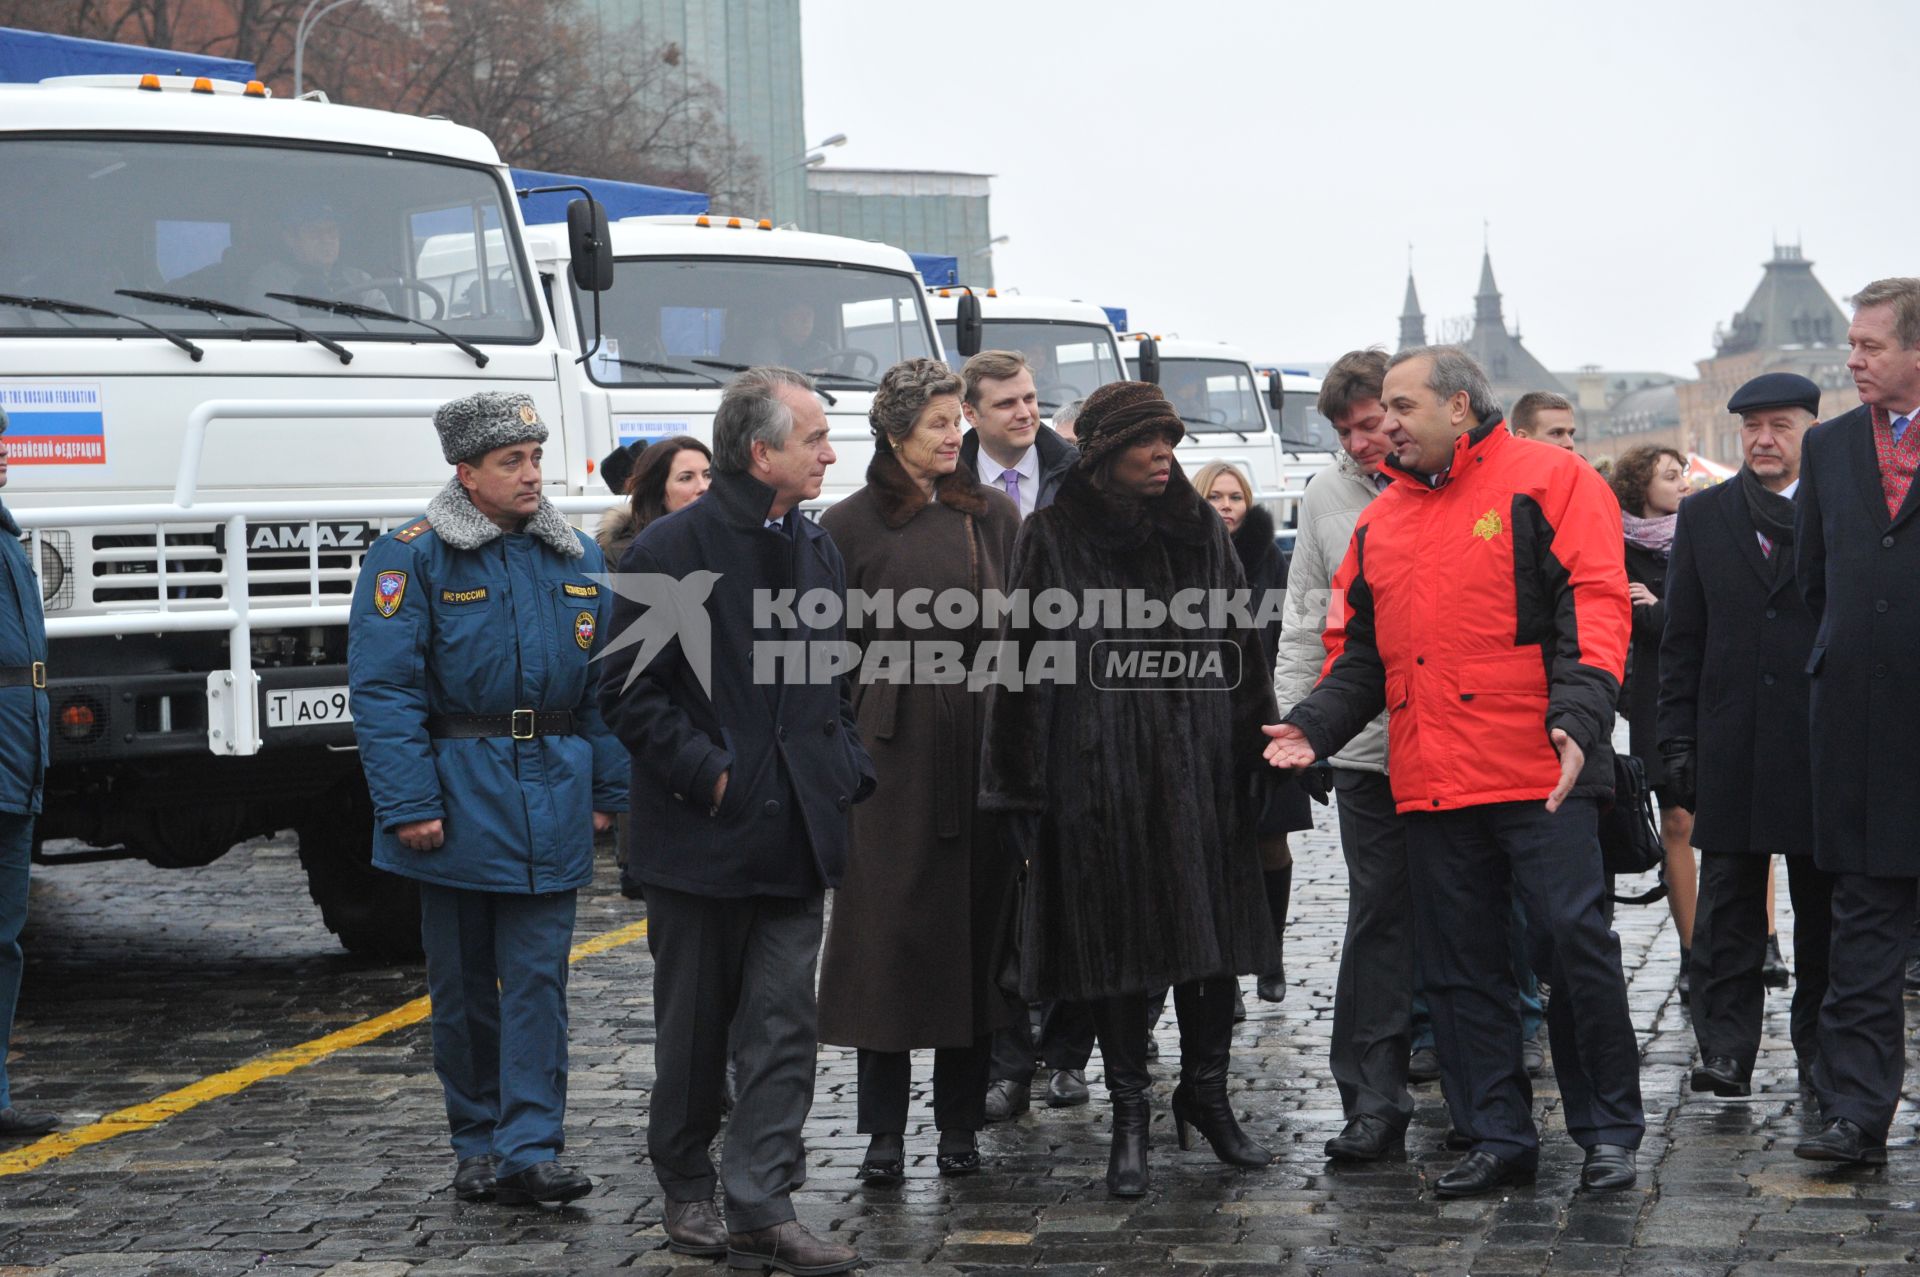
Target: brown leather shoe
{"points": [[694, 1228], [788, 1248]]}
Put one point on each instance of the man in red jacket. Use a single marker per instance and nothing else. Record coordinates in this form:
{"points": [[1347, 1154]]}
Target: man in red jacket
{"points": [[1483, 604]]}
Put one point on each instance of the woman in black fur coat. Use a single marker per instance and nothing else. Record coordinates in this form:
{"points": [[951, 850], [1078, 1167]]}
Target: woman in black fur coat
{"points": [[1230, 493], [1133, 798]]}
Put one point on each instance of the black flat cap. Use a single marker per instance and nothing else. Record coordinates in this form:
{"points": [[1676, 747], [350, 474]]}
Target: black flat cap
{"points": [[1776, 390], [617, 465]]}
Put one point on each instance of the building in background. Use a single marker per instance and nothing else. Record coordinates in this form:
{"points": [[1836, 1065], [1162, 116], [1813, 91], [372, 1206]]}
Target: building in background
{"points": [[1790, 324], [919, 210], [1510, 366], [749, 50], [1618, 409]]}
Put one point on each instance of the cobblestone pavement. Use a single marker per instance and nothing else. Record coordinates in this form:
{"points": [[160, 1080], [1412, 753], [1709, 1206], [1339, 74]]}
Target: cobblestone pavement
{"points": [[142, 981]]}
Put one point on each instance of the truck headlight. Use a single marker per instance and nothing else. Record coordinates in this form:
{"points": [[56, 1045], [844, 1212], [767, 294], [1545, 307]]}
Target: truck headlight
{"points": [[56, 575]]}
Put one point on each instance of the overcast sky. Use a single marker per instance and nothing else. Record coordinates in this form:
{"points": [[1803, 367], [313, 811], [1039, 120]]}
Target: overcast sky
{"points": [[1253, 171]]}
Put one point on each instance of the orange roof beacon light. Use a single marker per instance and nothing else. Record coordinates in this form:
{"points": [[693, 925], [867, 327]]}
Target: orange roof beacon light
{"points": [[702, 220], [255, 89], [766, 223], [151, 83], [202, 84]]}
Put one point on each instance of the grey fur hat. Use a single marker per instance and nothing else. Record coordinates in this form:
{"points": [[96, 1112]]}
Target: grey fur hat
{"points": [[477, 424]]}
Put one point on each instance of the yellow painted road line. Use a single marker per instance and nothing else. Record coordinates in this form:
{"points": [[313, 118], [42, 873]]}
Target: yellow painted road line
{"points": [[141, 1117]]}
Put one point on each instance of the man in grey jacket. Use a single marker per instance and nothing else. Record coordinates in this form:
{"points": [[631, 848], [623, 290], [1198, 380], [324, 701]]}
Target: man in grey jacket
{"points": [[1373, 999]]}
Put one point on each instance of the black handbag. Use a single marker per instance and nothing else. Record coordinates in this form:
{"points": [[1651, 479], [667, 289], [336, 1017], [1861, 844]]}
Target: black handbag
{"points": [[1630, 829]]}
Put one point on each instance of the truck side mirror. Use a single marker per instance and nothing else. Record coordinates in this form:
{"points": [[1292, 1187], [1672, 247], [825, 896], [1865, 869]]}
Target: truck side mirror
{"points": [[589, 245], [1150, 360], [1276, 394], [969, 333]]}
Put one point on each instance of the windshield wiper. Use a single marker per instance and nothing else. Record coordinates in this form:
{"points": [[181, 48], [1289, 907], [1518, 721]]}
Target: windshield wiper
{"points": [[862, 382], [354, 310], [721, 363], [1211, 425], [219, 309], [647, 365], [54, 306]]}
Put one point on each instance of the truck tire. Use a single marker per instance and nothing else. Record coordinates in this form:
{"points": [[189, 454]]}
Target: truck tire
{"points": [[376, 914]]}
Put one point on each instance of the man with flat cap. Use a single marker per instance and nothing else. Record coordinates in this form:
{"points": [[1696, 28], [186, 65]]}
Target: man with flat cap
{"points": [[491, 771], [1857, 546], [1732, 726]]}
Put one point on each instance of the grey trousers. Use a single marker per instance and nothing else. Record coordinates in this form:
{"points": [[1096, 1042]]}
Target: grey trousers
{"points": [[748, 963], [1373, 996]]}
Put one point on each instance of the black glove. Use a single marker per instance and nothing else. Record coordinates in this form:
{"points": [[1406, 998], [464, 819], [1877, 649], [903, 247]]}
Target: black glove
{"points": [[1679, 755], [1317, 780]]}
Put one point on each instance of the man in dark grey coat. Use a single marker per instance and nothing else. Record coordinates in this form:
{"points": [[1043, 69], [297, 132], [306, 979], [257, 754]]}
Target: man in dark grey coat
{"points": [[743, 774], [1732, 726], [1858, 559]]}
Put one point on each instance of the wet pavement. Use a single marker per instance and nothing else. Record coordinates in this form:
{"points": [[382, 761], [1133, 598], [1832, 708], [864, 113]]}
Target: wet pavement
{"points": [[143, 982]]}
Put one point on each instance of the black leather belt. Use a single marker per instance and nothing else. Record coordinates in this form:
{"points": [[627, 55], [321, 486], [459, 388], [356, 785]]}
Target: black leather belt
{"points": [[34, 675], [520, 724]]}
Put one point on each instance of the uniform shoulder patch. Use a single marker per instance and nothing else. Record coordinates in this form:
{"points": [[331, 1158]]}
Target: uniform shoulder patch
{"points": [[464, 596], [583, 628], [389, 588], [580, 591], [413, 530]]}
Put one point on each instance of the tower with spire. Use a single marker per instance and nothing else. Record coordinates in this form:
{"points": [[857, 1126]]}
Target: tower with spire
{"points": [[1510, 366], [1413, 324]]}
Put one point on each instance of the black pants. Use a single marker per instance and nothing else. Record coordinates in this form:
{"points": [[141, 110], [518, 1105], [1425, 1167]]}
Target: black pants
{"points": [[748, 964], [1065, 1040], [1465, 867], [1730, 947], [959, 1088], [1373, 998], [1863, 1034]]}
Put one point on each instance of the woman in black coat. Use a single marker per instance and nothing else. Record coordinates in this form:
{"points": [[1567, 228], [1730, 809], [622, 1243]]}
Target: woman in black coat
{"points": [[1650, 483], [1134, 794], [1285, 810]]}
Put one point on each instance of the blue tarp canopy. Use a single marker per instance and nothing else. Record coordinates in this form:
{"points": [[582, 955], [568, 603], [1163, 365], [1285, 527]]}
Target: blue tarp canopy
{"points": [[27, 57], [936, 268], [623, 199], [1117, 316]]}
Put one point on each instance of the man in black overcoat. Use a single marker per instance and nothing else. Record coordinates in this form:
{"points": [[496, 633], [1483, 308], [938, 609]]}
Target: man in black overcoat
{"points": [[1733, 729], [743, 772], [1858, 559]]}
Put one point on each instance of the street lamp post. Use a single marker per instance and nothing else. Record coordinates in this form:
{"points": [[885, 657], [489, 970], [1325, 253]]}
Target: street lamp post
{"points": [[304, 28]]}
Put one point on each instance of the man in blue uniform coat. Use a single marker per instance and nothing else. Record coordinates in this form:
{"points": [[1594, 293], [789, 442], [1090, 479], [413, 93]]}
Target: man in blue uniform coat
{"points": [[490, 770], [23, 762]]}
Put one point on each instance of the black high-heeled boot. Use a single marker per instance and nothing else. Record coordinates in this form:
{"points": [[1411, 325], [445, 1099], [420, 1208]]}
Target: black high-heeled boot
{"points": [[1279, 883], [1205, 1009], [1120, 1024]]}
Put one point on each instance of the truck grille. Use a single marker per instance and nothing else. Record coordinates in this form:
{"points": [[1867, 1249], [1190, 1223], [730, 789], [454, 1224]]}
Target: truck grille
{"points": [[131, 568]]}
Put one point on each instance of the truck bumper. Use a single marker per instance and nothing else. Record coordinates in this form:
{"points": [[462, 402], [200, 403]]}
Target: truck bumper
{"points": [[149, 715]]}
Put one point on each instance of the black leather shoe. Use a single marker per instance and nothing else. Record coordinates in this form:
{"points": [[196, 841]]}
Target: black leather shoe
{"points": [[1272, 988], [1006, 1100], [958, 1155], [1842, 1141], [541, 1182], [1723, 1076], [1066, 1088], [1684, 986], [694, 1228], [885, 1162], [1423, 1065], [1481, 1172], [788, 1248], [1773, 972], [473, 1178], [1533, 1056], [1239, 1003], [17, 1123], [1608, 1167], [1366, 1138]]}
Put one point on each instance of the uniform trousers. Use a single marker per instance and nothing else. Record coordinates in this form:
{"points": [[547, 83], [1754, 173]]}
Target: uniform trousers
{"points": [[747, 963], [497, 970], [1373, 994], [16, 860], [1465, 866], [1730, 948], [1863, 1036], [959, 1088], [1064, 1039]]}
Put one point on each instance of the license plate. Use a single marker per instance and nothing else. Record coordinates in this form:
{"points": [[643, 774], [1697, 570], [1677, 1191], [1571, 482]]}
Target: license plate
{"points": [[307, 707]]}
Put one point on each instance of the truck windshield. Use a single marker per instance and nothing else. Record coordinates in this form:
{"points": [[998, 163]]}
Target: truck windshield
{"points": [[1069, 361], [89, 219], [694, 321], [1302, 426], [1211, 394]]}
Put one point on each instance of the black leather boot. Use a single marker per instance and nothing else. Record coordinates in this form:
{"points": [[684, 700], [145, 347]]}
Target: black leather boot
{"points": [[1205, 1008], [1121, 1026], [1273, 984]]}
